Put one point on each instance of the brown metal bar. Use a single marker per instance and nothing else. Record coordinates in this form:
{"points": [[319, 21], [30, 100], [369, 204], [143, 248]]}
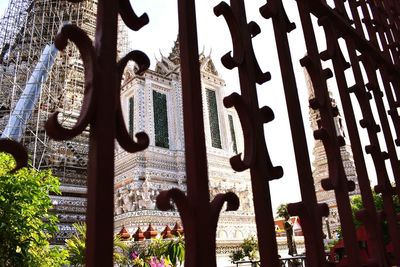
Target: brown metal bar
{"points": [[320, 10], [256, 157], [387, 78], [197, 237], [102, 85], [384, 187], [384, 30], [100, 207], [327, 133], [199, 216], [308, 210], [369, 215]]}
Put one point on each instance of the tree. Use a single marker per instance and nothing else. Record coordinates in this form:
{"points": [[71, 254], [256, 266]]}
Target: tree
{"points": [[283, 212], [25, 221]]}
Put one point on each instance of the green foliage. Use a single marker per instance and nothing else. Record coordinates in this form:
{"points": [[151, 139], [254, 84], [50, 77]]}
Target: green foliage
{"points": [[248, 249], [331, 243], [237, 255], [76, 247], [156, 248], [176, 251], [121, 252], [357, 205], [282, 211], [25, 221], [170, 252]]}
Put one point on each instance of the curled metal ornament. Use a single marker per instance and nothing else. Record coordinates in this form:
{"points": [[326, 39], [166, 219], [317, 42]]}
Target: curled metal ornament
{"points": [[122, 135], [129, 16], [217, 203], [276, 9], [17, 151], [261, 77], [232, 201], [236, 101], [332, 46], [227, 60], [53, 128], [164, 199]]}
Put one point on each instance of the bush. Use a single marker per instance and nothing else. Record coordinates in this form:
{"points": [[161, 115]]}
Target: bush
{"points": [[164, 252], [25, 221], [248, 249]]}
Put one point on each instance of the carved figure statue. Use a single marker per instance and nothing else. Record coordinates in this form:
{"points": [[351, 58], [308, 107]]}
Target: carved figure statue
{"points": [[146, 193]]}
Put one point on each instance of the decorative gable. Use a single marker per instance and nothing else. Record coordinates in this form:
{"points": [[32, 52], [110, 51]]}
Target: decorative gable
{"points": [[210, 67]]}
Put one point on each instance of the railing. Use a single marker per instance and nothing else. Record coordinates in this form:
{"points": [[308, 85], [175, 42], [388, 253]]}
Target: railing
{"points": [[368, 29], [247, 263], [295, 261]]}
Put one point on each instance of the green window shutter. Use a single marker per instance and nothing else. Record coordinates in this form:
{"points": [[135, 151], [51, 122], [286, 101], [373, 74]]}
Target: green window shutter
{"points": [[213, 118], [233, 135], [160, 119], [131, 116]]}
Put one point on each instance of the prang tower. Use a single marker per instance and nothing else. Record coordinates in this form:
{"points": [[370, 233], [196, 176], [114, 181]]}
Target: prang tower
{"points": [[320, 163]]}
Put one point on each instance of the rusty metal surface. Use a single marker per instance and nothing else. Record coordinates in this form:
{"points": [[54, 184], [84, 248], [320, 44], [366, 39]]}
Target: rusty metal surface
{"points": [[370, 30]]}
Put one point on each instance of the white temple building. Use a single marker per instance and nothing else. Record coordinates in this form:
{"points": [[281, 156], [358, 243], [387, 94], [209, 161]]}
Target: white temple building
{"points": [[152, 103]]}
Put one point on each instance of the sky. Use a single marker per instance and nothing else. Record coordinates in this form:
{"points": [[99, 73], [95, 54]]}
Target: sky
{"points": [[213, 34]]}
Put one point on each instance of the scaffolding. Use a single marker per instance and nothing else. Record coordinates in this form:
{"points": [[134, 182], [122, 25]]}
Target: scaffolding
{"points": [[27, 27]]}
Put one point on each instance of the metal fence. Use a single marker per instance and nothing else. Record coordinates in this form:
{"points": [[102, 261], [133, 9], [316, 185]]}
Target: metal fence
{"points": [[369, 32], [295, 261]]}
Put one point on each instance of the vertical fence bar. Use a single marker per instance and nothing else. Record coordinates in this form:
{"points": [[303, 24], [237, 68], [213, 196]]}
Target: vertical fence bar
{"points": [[200, 244], [337, 180], [308, 210], [100, 209], [256, 156], [368, 215], [102, 84], [199, 215], [384, 187]]}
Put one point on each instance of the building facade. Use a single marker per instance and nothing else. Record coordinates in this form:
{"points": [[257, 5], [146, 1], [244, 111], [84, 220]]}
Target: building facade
{"points": [[152, 103]]}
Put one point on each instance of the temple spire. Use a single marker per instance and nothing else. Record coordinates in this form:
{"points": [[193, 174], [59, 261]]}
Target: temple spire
{"points": [[174, 56]]}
